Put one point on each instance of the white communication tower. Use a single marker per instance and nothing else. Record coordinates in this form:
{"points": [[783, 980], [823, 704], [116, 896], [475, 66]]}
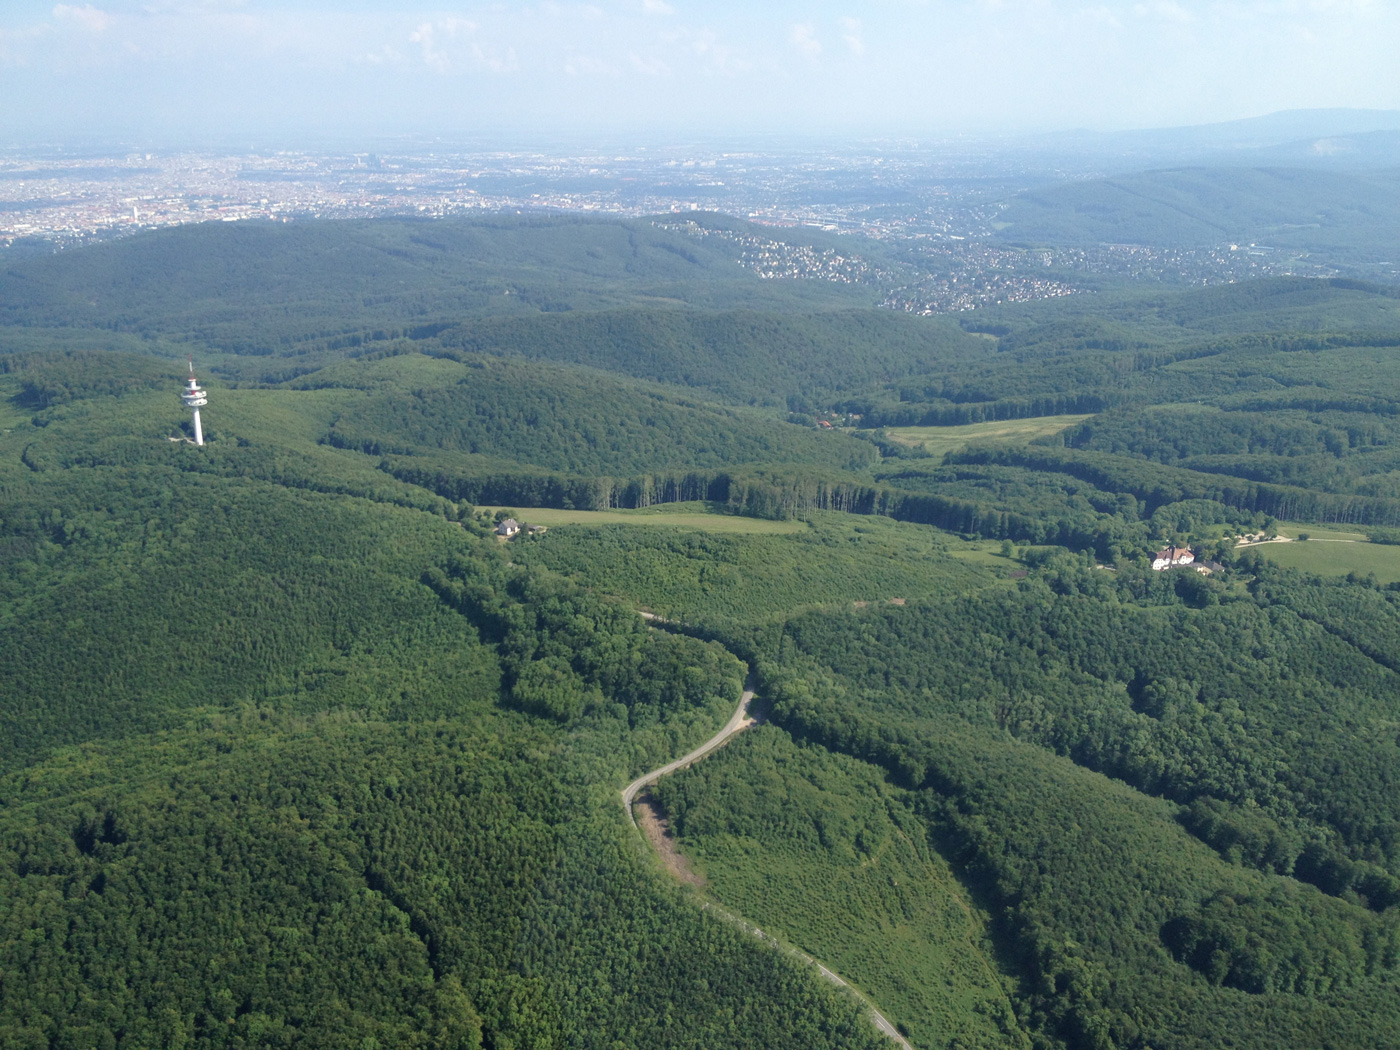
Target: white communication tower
{"points": [[194, 399]]}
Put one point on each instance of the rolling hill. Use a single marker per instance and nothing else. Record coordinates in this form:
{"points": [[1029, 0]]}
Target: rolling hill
{"points": [[1339, 213], [295, 751]]}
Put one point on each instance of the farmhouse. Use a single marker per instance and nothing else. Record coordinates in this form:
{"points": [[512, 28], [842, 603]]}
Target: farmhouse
{"points": [[508, 528], [1171, 558]]}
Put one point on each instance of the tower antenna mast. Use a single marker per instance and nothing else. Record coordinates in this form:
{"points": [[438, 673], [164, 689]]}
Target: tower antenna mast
{"points": [[194, 399]]}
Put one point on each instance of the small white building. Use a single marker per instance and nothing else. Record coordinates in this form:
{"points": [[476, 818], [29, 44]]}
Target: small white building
{"points": [[1172, 558], [508, 528]]}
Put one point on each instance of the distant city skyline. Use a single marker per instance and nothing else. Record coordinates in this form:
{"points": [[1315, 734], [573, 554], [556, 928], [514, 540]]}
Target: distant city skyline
{"points": [[167, 71]]}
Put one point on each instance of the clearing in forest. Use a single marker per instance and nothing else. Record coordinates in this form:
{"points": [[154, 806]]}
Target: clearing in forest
{"points": [[942, 440], [1332, 557], [699, 516], [652, 820], [818, 848]]}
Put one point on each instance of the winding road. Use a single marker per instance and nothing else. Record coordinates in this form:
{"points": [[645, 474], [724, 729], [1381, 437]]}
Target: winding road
{"points": [[740, 720]]}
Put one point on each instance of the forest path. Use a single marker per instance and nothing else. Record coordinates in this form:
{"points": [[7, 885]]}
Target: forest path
{"points": [[738, 722]]}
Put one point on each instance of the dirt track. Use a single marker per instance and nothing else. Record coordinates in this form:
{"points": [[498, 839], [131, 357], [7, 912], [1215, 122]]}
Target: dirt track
{"points": [[653, 826], [738, 721]]}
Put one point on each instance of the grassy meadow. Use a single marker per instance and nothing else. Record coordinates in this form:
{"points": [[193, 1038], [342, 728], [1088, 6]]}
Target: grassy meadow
{"points": [[939, 441], [1330, 550], [698, 516], [1328, 533], [11, 415], [1334, 557]]}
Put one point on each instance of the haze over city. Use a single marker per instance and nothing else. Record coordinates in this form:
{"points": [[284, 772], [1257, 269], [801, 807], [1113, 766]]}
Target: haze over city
{"points": [[171, 73]]}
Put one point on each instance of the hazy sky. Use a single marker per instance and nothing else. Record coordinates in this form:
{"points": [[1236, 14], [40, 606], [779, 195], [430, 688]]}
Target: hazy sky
{"points": [[168, 69]]}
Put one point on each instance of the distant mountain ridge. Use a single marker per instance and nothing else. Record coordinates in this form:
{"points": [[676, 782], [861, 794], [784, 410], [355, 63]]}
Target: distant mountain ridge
{"points": [[1274, 129], [1314, 138], [1339, 212]]}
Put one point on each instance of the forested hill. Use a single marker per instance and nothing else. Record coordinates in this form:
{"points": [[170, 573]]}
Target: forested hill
{"points": [[207, 281], [553, 418], [292, 756], [634, 297], [740, 356], [295, 751], [1281, 207]]}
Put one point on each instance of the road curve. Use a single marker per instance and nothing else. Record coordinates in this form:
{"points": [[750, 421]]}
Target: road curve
{"points": [[738, 721]]}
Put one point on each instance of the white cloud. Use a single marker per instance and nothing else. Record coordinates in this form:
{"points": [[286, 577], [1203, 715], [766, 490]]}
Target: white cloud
{"points": [[92, 19], [1166, 10], [803, 36], [495, 60], [591, 12], [589, 65], [425, 36], [1103, 15], [707, 46], [1060, 62], [190, 7], [649, 66], [851, 34], [698, 42], [16, 45], [385, 56], [1292, 7], [436, 42]]}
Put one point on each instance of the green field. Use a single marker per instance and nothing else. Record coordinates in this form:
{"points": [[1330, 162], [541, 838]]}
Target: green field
{"points": [[696, 516], [11, 415], [1293, 530], [835, 559], [981, 552], [942, 440], [1336, 557]]}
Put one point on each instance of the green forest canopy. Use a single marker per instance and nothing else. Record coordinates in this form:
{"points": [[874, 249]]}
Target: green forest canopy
{"points": [[295, 752]]}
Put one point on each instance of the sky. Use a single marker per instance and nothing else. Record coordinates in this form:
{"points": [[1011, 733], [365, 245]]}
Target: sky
{"points": [[203, 70]]}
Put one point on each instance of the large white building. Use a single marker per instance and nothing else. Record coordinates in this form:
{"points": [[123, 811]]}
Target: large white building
{"points": [[1171, 558]]}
